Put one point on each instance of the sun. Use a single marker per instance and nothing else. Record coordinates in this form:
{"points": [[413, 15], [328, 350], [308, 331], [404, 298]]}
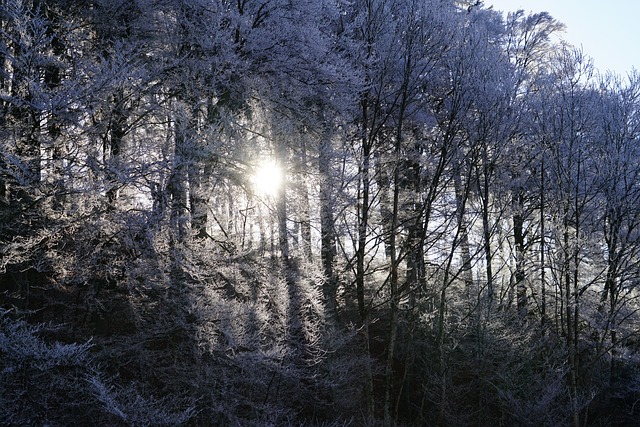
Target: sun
{"points": [[267, 178]]}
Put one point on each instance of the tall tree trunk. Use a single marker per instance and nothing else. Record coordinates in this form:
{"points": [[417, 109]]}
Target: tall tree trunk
{"points": [[178, 189], [281, 205], [305, 216], [575, 293], [461, 190], [52, 78], [416, 268], [447, 280], [393, 273], [518, 238], [113, 146], [327, 228], [484, 190], [283, 238], [178, 183], [384, 183], [543, 284], [363, 225], [199, 193]]}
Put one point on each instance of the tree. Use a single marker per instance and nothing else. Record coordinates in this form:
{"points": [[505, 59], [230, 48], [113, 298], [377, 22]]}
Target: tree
{"points": [[570, 169], [528, 45], [618, 216]]}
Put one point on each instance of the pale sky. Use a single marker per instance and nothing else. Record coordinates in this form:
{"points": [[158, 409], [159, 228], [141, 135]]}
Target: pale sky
{"points": [[608, 31]]}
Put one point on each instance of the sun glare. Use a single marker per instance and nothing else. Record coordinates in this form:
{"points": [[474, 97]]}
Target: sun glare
{"points": [[267, 178]]}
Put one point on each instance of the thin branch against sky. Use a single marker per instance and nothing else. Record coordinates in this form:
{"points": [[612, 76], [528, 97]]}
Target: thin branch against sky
{"points": [[607, 31]]}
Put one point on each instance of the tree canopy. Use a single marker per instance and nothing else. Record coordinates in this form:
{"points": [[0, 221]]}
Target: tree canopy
{"points": [[313, 212]]}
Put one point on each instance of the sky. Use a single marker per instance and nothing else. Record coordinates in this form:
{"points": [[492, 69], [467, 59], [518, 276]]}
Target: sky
{"points": [[608, 31]]}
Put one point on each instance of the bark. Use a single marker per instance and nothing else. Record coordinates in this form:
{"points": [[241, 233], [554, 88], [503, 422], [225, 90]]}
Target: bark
{"points": [[113, 146], [518, 238], [283, 238], [178, 184], [416, 268], [281, 203], [199, 192], [484, 190], [305, 220], [393, 273], [461, 193], [384, 183], [363, 224], [53, 77], [543, 283], [327, 229]]}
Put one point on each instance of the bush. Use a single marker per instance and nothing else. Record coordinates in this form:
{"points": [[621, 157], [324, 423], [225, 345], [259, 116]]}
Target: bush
{"points": [[44, 383]]}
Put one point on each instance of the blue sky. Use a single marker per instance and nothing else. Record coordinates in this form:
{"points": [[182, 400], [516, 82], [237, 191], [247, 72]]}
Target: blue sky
{"points": [[608, 31]]}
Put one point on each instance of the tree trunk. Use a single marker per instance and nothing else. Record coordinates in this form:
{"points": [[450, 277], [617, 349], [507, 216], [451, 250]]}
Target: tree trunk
{"points": [[305, 216], [199, 193], [384, 182], [393, 273], [416, 268], [178, 184], [52, 78], [327, 229], [543, 284], [518, 238], [281, 206], [461, 192], [113, 146], [179, 213], [484, 190], [363, 224]]}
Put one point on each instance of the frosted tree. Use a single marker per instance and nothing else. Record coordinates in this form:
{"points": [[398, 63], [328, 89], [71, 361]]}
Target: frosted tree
{"points": [[527, 42], [618, 217], [571, 169]]}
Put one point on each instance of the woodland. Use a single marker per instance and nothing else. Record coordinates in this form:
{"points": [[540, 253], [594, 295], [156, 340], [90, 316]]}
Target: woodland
{"points": [[313, 213]]}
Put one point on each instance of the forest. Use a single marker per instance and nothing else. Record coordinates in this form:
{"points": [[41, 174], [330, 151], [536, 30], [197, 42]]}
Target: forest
{"points": [[319, 213]]}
